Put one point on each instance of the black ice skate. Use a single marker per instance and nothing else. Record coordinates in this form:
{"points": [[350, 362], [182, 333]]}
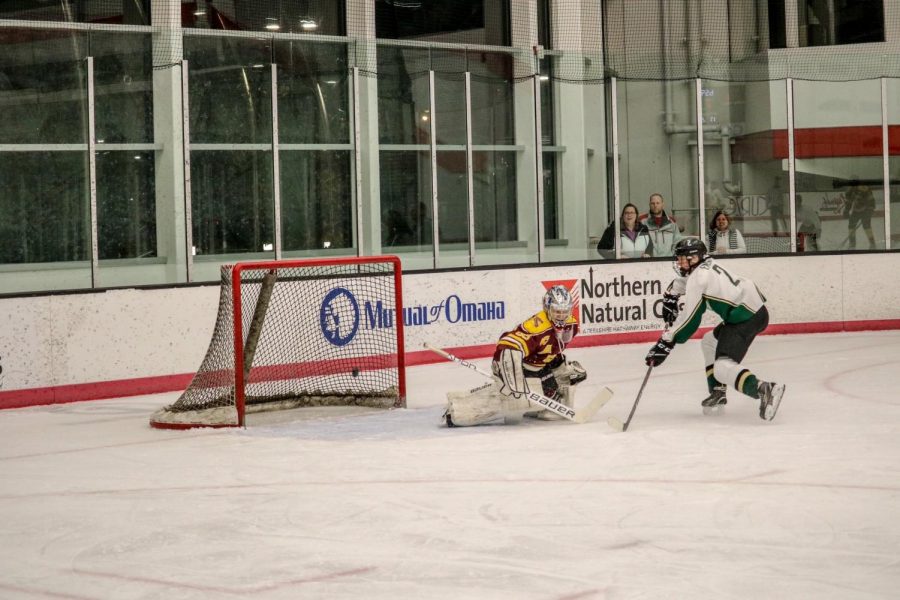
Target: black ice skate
{"points": [[715, 402], [769, 399]]}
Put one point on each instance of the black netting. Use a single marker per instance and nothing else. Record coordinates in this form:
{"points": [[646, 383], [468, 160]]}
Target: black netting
{"points": [[745, 40], [590, 40], [329, 336]]}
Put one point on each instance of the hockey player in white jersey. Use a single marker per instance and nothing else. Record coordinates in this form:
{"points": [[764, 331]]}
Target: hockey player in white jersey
{"points": [[702, 284]]}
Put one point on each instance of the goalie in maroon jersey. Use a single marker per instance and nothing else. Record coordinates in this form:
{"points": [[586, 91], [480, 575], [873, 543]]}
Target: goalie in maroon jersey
{"points": [[529, 357]]}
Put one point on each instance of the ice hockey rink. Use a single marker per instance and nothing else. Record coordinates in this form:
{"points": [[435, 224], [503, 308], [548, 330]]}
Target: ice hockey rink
{"points": [[97, 505]]}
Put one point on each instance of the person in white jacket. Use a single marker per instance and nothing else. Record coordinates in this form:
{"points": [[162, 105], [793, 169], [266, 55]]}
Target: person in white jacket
{"points": [[723, 238], [635, 237]]}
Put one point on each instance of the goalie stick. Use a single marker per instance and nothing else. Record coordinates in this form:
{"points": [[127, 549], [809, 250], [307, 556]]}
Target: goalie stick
{"points": [[576, 416]]}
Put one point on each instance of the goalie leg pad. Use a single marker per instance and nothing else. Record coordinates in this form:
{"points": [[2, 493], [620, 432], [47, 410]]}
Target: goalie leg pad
{"points": [[484, 405], [509, 369]]}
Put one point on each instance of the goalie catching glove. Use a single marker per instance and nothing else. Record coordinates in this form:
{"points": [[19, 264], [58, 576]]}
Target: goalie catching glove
{"points": [[569, 372], [669, 308], [508, 369], [659, 352]]}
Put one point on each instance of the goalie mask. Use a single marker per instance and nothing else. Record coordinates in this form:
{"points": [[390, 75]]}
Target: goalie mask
{"points": [[685, 251], [558, 305]]}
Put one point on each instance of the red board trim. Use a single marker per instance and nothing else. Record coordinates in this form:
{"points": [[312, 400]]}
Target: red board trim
{"points": [[63, 394]]}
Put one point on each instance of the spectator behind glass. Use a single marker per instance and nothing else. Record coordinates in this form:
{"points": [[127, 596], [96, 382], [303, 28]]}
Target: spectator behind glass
{"points": [[664, 231], [775, 203], [809, 227], [859, 206], [635, 237], [723, 238]]}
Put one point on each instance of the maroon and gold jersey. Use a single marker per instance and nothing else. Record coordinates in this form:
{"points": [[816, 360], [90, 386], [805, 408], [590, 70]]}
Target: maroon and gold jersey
{"points": [[537, 339]]}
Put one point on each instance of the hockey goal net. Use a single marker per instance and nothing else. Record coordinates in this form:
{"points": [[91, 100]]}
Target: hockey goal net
{"points": [[767, 243], [293, 333]]}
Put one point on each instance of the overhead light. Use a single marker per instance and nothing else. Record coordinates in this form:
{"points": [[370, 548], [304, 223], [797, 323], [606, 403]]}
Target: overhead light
{"points": [[331, 81], [273, 26], [308, 25], [544, 78], [199, 12], [267, 247]]}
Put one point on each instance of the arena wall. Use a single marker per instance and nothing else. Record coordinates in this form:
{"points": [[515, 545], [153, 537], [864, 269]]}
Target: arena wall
{"points": [[71, 347]]}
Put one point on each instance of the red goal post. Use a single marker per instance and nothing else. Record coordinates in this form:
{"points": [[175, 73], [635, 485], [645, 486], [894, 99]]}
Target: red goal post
{"points": [[294, 333]]}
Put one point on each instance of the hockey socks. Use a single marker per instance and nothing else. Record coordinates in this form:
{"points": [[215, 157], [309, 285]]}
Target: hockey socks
{"points": [[747, 383], [711, 380]]}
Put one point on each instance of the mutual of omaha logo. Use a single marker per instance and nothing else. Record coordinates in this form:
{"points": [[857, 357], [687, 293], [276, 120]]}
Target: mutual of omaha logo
{"points": [[339, 317]]}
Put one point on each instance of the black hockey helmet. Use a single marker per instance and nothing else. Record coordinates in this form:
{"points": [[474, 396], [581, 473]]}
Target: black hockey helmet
{"points": [[689, 247]]}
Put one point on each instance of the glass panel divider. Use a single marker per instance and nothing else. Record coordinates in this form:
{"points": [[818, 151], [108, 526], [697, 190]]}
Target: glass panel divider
{"points": [[701, 166], [886, 164], [792, 192], [186, 152], [432, 120], [92, 173], [357, 161], [617, 199], [539, 166], [470, 171], [276, 164]]}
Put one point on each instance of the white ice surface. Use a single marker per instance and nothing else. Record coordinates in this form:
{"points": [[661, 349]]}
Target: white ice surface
{"points": [[95, 504]]}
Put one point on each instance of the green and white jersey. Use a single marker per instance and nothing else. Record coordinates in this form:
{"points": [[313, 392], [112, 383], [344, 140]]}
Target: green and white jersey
{"points": [[710, 285]]}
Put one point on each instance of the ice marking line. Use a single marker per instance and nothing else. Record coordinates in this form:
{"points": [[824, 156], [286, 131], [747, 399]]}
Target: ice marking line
{"points": [[229, 590], [579, 595], [39, 592], [454, 482], [174, 438], [831, 385]]}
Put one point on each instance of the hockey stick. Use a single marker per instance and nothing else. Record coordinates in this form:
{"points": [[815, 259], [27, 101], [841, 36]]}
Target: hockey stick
{"points": [[619, 425], [576, 416], [616, 423], [851, 233]]}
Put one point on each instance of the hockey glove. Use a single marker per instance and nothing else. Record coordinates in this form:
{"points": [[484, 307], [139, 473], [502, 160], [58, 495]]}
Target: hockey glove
{"points": [[669, 308], [577, 373], [659, 353], [549, 385], [567, 372]]}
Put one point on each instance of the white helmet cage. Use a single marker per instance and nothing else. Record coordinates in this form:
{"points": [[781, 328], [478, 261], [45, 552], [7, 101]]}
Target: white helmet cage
{"points": [[558, 305]]}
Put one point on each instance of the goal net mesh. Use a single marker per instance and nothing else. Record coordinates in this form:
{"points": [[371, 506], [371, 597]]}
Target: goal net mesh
{"points": [[310, 336]]}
